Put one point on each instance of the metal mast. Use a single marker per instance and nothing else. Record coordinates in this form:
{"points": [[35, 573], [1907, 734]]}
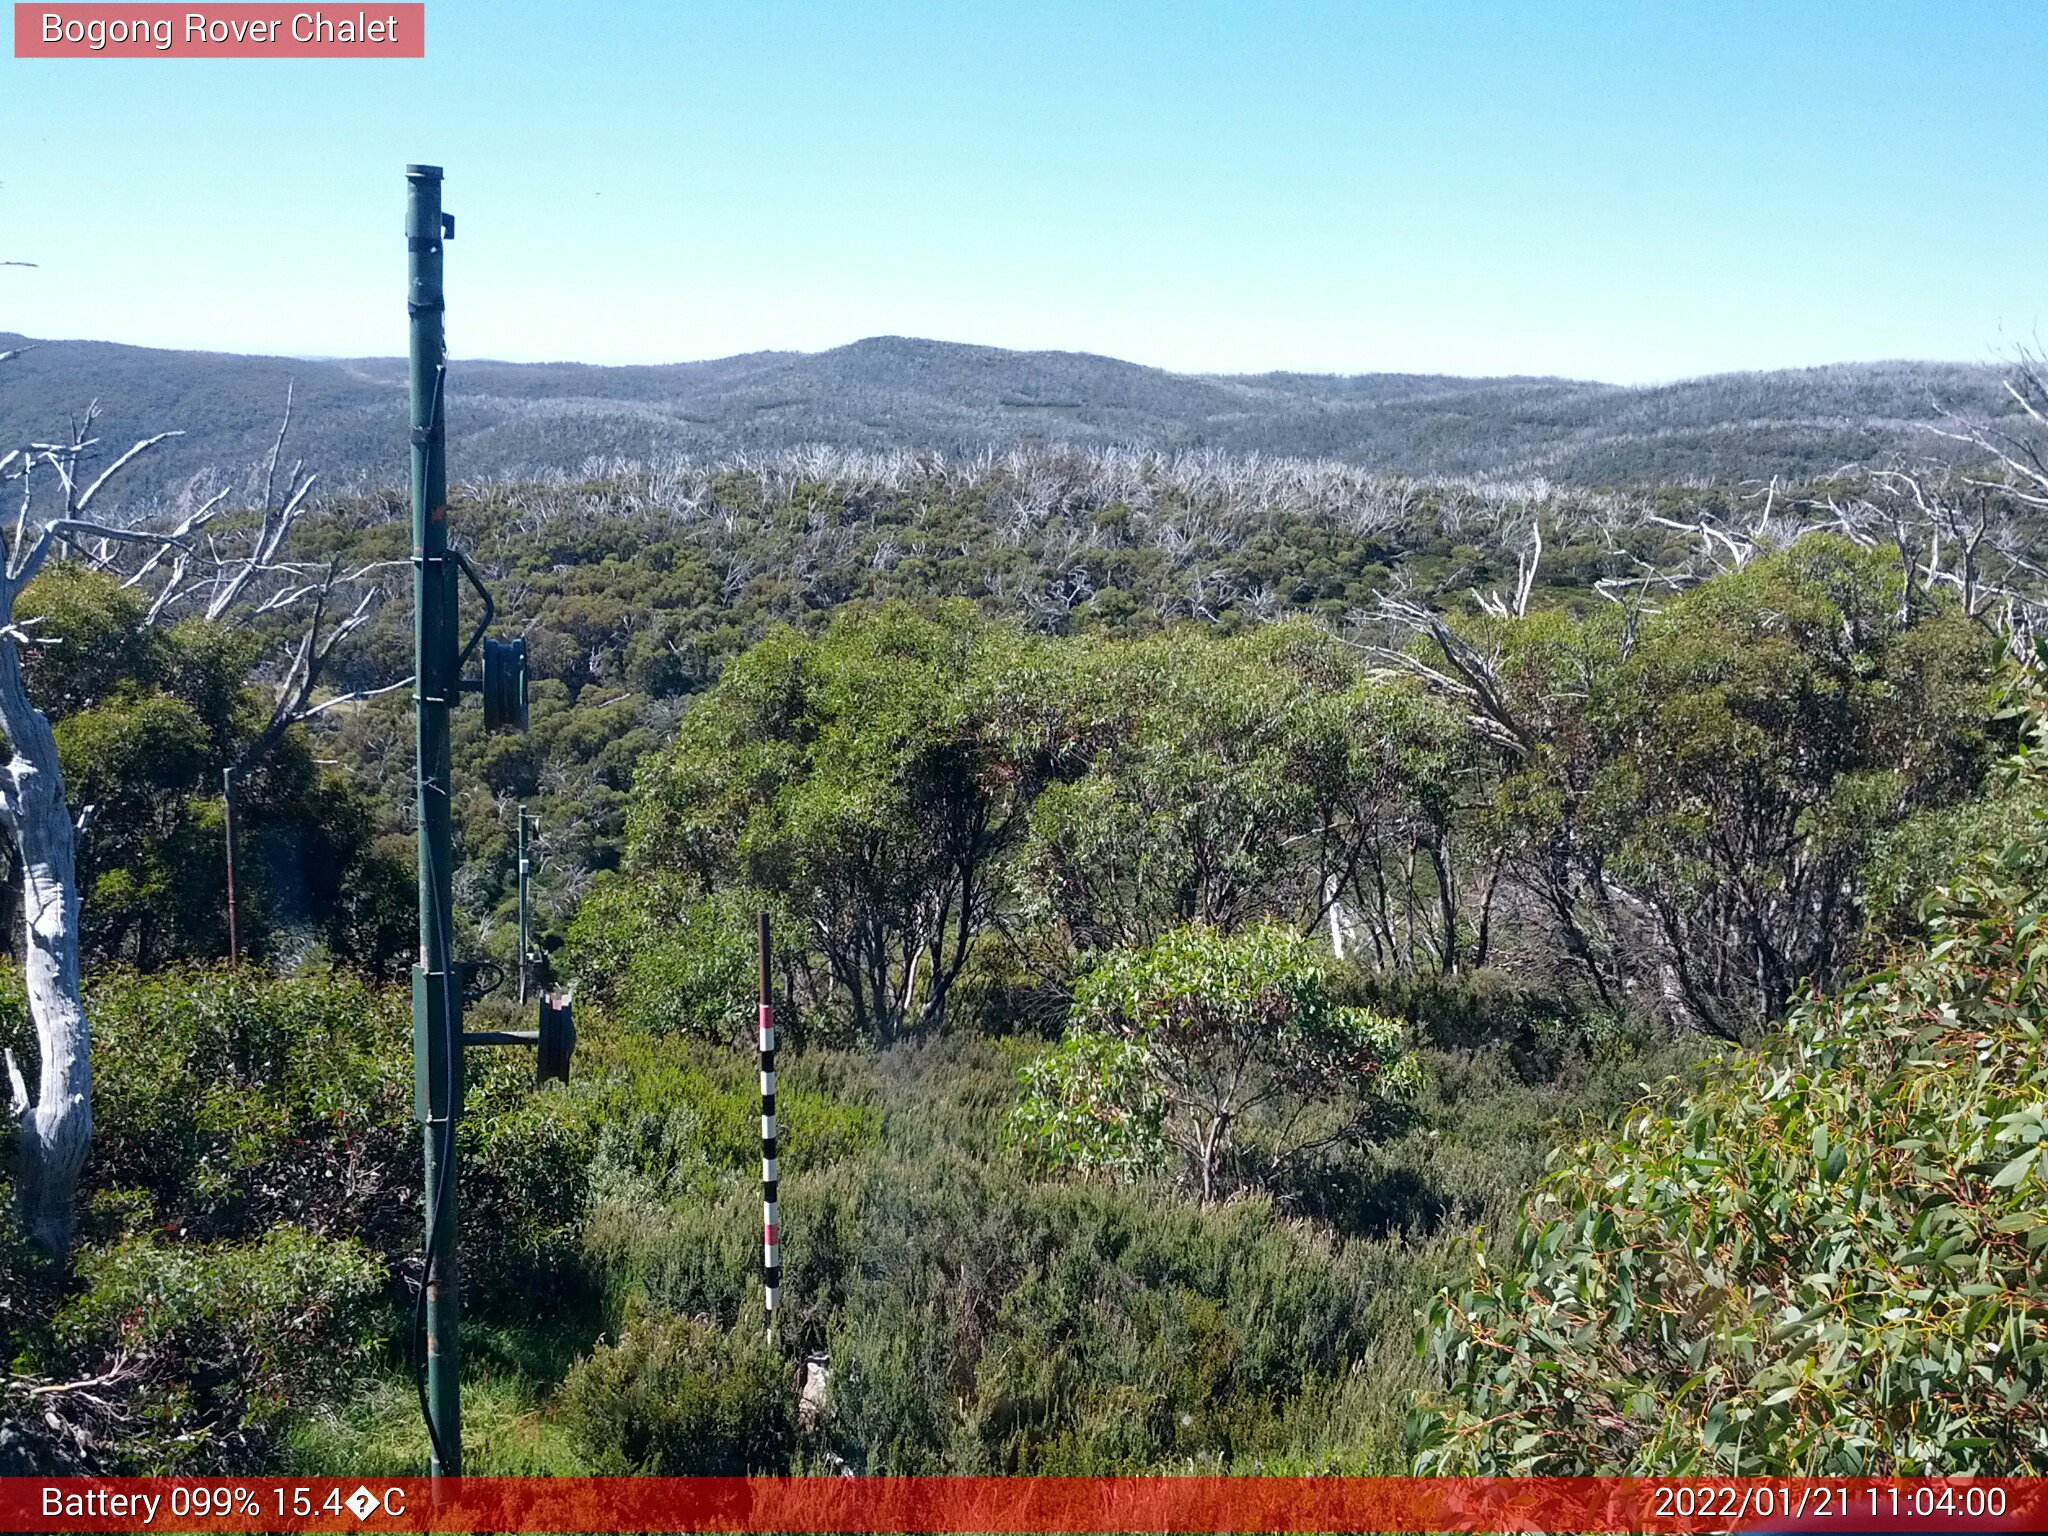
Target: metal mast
{"points": [[440, 982]]}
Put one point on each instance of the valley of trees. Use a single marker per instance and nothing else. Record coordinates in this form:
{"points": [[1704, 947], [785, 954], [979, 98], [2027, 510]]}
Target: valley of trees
{"points": [[1207, 889]]}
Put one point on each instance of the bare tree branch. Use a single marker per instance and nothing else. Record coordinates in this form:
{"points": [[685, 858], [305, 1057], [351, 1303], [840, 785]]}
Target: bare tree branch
{"points": [[68, 529], [115, 468], [1472, 677]]}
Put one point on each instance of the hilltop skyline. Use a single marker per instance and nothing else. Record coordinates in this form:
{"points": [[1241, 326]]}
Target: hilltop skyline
{"points": [[890, 393], [1998, 358]]}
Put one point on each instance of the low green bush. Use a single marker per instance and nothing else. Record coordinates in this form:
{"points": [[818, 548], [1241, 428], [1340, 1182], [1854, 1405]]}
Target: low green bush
{"points": [[978, 1322], [1227, 1051], [213, 1344], [679, 1396]]}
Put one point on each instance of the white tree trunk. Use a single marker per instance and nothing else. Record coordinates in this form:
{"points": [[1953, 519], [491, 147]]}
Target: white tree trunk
{"points": [[54, 1126]]}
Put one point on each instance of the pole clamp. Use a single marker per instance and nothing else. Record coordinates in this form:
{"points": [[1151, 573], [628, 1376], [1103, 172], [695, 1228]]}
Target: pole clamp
{"points": [[423, 306]]}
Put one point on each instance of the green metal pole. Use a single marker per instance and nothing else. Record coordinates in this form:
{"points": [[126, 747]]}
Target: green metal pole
{"points": [[525, 948], [227, 801], [436, 993]]}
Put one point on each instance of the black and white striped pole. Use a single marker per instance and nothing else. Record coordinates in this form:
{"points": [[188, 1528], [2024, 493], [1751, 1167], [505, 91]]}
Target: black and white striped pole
{"points": [[771, 1226]]}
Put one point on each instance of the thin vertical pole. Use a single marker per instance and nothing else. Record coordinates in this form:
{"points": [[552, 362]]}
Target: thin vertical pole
{"points": [[437, 998], [227, 795], [771, 1224], [525, 947]]}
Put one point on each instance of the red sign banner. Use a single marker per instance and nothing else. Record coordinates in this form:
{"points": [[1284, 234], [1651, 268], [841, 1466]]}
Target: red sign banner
{"points": [[1026, 1504], [238, 31]]}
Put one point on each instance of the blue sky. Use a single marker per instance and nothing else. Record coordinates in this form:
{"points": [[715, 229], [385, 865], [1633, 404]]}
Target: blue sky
{"points": [[1626, 191]]}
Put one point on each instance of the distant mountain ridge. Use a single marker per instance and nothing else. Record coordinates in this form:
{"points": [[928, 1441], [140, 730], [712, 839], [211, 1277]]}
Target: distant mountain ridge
{"points": [[898, 392]]}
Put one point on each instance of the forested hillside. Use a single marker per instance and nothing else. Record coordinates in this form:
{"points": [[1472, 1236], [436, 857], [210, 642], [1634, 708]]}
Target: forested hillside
{"points": [[892, 393], [1207, 888]]}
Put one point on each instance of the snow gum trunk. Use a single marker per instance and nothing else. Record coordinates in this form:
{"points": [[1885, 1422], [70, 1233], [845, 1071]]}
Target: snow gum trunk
{"points": [[54, 1125]]}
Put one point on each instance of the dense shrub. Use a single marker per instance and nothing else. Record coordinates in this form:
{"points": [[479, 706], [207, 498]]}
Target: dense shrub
{"points": [[252, 1210], [978, 1319], [989, 1325], [214, 1343], [525, 1155], [1228, 1048], [1829, 1260], [229, 1100], [677, 1396]]}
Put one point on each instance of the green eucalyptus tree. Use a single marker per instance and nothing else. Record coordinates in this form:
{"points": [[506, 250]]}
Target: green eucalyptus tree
{"points": [[1227, 779], [1228, 1051], [854, 780], [1691, 795]]}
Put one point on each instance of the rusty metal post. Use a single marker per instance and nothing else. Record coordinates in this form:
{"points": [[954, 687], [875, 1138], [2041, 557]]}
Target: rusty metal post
{"points": [[227, 795]]}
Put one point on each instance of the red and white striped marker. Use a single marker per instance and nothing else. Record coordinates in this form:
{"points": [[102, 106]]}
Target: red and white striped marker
{"points": [[771, 1223]]}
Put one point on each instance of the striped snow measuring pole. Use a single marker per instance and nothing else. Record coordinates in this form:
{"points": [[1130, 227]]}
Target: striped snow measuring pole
{"points": [[771, 1233]]}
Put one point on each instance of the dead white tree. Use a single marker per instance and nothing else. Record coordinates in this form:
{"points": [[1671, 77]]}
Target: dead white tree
{"points": [[1991, 563], [1528, 562], [1462, 672], [54, 1121], [1954, 531], [53, 1126], [2018, 451]]}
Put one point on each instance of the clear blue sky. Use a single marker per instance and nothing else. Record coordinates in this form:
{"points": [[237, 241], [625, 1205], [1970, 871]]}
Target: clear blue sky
{"points": [[1626, 191]]}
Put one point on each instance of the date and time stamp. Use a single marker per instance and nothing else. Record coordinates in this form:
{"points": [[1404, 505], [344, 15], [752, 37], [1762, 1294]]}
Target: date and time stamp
{"points": [[1757, 1503]]}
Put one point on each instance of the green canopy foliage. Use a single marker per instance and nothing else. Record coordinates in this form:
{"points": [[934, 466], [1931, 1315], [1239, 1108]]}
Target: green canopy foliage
{"points": [[636, 587], [1217, 781], [147, 717], [919, 792], [1230, 1049], [1693, 794], [1677, 811], [1828, 1260], [853, 780]]}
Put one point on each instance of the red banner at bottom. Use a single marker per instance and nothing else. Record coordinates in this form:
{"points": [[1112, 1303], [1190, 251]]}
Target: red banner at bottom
{"points": [[1025, 1504]]}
